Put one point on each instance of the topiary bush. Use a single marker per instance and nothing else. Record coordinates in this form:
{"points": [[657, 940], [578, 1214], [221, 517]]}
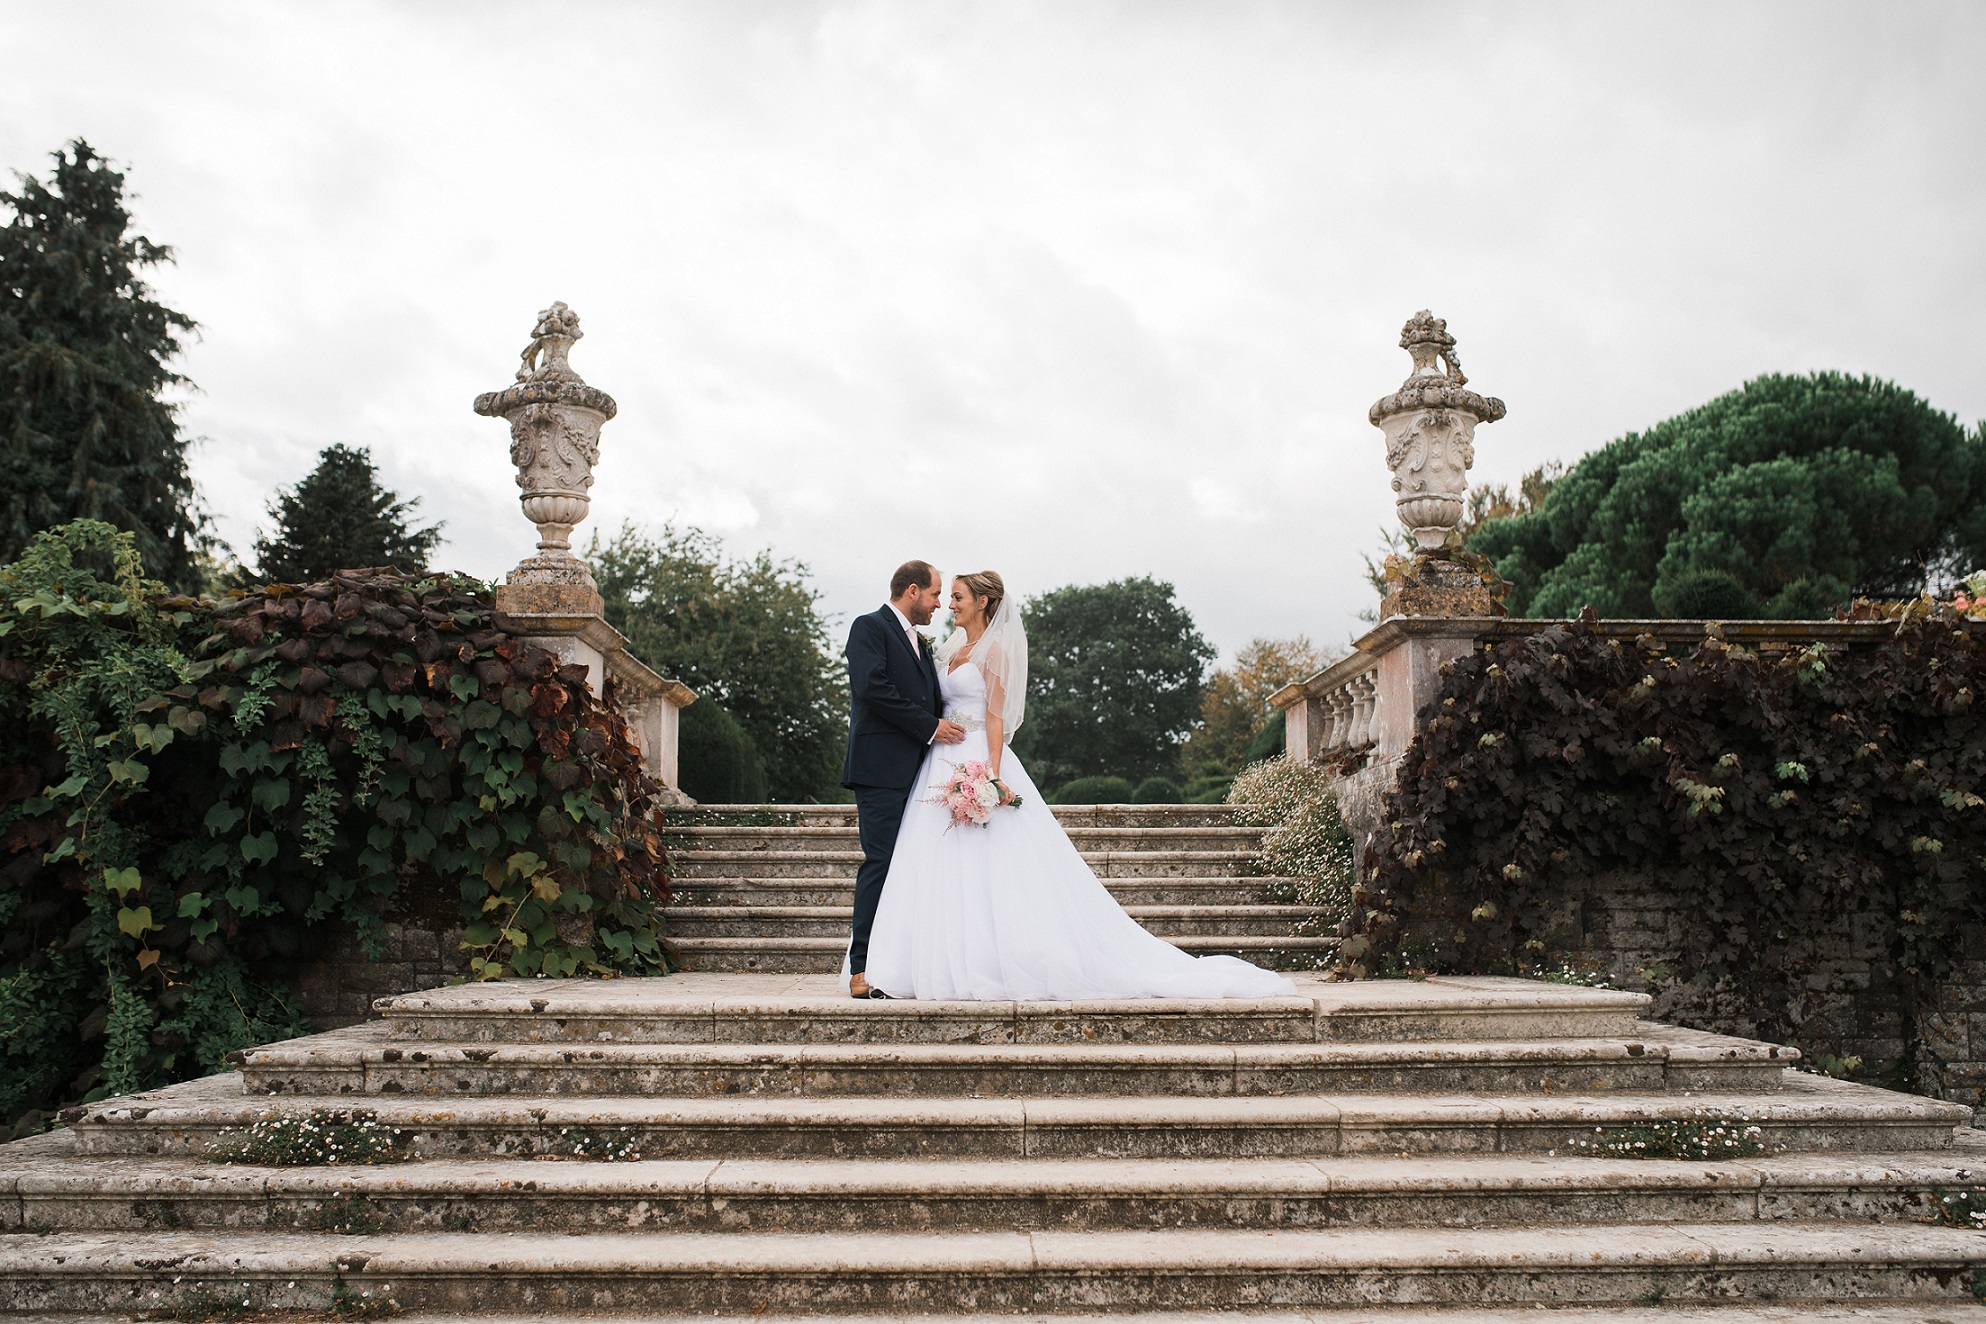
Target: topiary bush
{"points": [[1782, 798], [194, 792], [1158, 791], [1095, 791]]}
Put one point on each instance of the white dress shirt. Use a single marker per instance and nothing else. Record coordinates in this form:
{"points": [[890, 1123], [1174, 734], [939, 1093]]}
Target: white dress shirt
{"points": [[910, 637]]}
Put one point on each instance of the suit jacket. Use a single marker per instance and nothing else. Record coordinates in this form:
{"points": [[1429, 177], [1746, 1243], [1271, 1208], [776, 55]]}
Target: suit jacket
{"points": [[893, 703]]}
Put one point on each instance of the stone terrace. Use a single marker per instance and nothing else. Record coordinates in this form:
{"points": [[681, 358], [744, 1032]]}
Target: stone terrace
{"points": [[1390, 1144]]}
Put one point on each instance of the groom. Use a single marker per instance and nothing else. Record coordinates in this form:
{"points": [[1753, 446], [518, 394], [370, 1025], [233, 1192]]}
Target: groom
{"points": [[893, 716]]}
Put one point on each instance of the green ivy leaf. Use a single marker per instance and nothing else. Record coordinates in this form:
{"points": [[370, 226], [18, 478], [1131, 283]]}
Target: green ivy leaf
{"points": [[222, 816], [259, 848], [191, 904], [121, 881], [135, 923]]}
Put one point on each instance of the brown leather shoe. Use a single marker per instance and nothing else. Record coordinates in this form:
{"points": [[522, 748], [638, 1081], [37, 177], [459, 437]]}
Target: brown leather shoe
{"points": [[858, 987]]}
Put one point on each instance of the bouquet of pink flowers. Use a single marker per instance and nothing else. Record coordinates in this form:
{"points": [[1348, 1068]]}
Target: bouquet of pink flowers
{"points": [[972, 793]]}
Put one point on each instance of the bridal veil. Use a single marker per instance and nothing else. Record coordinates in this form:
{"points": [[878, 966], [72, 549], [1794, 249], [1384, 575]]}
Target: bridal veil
{"points": [[1001, 656]]}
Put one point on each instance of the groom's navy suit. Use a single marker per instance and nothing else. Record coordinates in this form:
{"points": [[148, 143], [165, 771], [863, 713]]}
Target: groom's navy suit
{"points": [[893, 710]]}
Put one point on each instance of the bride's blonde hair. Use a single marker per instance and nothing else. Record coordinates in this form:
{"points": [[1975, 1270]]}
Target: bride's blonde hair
{"points": [[986, 584]]}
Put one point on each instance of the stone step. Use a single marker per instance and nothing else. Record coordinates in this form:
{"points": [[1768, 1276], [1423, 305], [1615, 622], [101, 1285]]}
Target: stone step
{"points": [[805, 956], [1213, 837], [1256, 921], [1006, 1271], [844, 815], [746, 891], [745, 1009], [56, 1193], [843, 863], [363, 1061], [1860, 1310], [1809, 1113]]}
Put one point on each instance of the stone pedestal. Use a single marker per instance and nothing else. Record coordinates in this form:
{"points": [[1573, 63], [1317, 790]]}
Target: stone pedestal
{"points": [[566, 620], [550, 598], [1430, 586]]}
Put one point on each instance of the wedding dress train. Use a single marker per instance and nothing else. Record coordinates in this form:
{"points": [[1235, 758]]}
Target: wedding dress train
{"points": [[1010, 910]]}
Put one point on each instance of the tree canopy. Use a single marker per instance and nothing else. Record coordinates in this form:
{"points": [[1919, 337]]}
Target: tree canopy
{"points": [[1235, 704], [340, 518], [1115, 673], [1781, 499], [747, 635], [84, 349]]}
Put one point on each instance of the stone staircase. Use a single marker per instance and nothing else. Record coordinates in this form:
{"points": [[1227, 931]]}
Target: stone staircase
{"points": [[768, 888], [1379, 1151], [1398, 1144]]}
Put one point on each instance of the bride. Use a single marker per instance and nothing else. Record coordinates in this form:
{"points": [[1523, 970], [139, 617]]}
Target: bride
{"points": [[1010, 910]]}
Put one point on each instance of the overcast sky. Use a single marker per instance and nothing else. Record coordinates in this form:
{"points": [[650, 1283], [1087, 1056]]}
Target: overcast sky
{"points": [[1070, 290]]}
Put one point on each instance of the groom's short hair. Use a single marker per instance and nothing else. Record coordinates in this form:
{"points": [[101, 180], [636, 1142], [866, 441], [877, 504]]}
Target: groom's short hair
{"points": [[917, 573]]}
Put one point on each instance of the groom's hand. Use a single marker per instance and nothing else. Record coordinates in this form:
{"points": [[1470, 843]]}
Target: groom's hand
{"points": [[949, 733]]}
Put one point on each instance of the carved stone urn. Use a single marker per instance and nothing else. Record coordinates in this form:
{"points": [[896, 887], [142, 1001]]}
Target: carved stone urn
{"points": [[1430, 427], [555, 420]]}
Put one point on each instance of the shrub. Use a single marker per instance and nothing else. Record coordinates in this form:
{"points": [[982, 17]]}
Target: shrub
{"points": [[1158, 791], [1269, 741], [1306, 847], [718, 762], [1095, 791], [1211, 786], [1782, 799], [193, 791]]}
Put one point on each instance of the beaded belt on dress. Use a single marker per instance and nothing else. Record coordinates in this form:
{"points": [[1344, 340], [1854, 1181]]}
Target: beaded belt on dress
{"points": [[970, 721]]}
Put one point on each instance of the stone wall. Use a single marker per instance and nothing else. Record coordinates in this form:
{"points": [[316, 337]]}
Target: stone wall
{"points": [[1627, 927], [337, 987]]}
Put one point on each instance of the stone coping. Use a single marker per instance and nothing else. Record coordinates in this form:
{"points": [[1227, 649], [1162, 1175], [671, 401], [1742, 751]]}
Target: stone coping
{"points": [[1396, 630], [1354, 1250], [694, 992], [1798, 1312]]}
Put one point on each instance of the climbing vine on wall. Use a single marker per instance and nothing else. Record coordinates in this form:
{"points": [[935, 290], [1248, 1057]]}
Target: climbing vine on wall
{"points": [[191, 791], [1783, 795]]}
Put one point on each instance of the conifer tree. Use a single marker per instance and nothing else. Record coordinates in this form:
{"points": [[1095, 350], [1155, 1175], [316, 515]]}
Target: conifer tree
{"points": [[84, 428], [340, 518]]}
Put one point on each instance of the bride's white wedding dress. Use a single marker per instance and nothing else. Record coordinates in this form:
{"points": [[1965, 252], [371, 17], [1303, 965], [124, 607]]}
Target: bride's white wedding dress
{"points": [[1010, 910]]}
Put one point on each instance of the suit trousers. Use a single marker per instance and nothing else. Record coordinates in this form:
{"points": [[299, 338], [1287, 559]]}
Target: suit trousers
{"points": [[879, 814]]}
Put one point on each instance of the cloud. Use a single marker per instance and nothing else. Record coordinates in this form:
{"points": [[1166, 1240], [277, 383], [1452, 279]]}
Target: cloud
{"points": [[1074, 291]]}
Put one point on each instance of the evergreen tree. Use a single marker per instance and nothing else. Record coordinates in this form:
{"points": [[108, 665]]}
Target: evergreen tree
{"points": [[340, 518], [1782, 499], [83, 355]]}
